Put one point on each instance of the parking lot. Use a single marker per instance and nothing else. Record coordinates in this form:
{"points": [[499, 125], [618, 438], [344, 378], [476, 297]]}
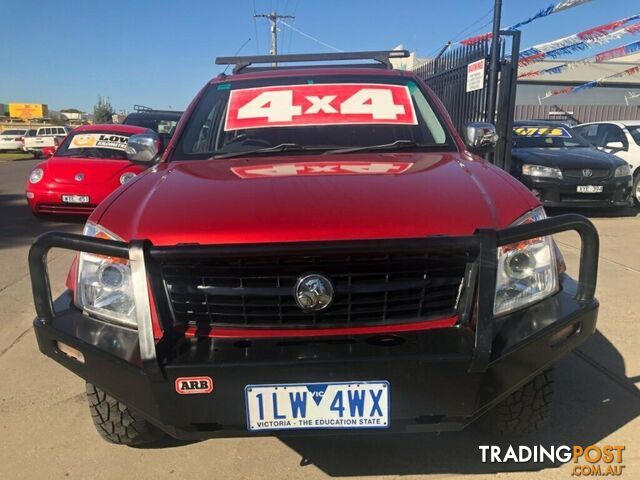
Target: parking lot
{"points": [[45, 423]]}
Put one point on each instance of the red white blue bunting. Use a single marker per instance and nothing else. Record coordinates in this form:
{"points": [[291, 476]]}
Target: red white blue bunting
{"points": [[607, 55], [594, 83], [550, 10], [580, 41]]}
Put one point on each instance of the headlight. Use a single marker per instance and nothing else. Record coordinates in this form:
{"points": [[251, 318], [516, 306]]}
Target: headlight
{"points": [[125, 177], [623, 171], [36, 175], [104, 286], [540, 171], [527, 271]]}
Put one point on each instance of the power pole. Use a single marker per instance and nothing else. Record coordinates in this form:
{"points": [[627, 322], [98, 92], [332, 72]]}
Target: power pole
{"points": [[273, 18]]}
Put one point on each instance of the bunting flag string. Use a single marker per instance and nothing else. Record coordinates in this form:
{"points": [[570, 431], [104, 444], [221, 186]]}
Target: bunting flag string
{"points": [[550, 10], [592, 84], [580, 41], [607, 55]]}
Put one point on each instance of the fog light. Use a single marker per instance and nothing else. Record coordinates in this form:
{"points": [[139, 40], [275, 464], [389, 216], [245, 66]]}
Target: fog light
{"points": [[111, 275], [519, 264], [30, 195], [69, 351]]}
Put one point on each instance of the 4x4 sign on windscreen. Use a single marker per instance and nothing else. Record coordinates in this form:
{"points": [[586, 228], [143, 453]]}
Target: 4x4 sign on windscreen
{"points": [[319, 104]]}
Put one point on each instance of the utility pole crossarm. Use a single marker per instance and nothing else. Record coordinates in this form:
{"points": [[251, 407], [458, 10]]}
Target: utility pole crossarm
{"points": [[273, 18]]}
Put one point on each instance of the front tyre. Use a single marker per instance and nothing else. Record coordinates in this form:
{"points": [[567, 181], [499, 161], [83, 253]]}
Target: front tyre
{"points": [[116, 423], [635, 191], [525, 411]]}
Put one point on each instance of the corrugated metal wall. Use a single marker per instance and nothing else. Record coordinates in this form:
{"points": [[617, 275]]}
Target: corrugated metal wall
{"points": [[578, 113]]}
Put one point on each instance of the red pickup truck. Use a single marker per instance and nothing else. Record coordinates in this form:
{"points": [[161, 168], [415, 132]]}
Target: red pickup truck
{"points": [[316, 248]]}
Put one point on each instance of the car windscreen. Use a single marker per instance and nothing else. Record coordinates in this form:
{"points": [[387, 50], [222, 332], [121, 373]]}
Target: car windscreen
{"points": [[158, 124], [12, 132], [634, 130], [311, 114], [546, 136], [105, 145]]}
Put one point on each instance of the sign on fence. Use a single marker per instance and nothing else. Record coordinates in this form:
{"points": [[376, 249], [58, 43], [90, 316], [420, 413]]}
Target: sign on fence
{"points": [[475, 76]]}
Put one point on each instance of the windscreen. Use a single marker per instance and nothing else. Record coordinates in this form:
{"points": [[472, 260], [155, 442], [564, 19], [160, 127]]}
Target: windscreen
{"points": [[546, 136], [311, 114], [106, 145], [12, 132], [162, 126], [634, 130]]}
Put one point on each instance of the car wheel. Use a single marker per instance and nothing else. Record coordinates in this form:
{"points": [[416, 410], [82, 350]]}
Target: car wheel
{"points": [[525, 411], [36, 154], [636, 190], [116, 423]]}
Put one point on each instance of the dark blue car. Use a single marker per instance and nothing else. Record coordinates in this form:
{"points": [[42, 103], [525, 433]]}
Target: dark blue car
{"points": [[563, 169]]}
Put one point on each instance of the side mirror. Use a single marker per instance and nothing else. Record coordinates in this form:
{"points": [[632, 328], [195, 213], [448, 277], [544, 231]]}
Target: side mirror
{"points": [[615, 145], [480, 138], [144, 147]]}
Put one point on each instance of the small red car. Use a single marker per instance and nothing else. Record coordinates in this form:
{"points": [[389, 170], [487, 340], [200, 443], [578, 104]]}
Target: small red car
{"points": [[90, 163]]}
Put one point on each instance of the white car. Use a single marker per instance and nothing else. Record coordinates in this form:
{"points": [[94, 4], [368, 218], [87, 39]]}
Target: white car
{"points": [[12, 139], [621, 138]]}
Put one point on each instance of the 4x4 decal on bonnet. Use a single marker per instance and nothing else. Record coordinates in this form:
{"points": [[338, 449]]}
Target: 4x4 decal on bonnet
{"points": [[321, 168]]}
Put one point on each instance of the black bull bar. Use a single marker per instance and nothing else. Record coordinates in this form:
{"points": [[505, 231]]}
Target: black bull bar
{"points": [[484, 243]]}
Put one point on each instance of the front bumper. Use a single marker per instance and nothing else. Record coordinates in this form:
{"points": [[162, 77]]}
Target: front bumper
{"points": [[47, 198], [440, 379], [431, 386], [616, 192]]}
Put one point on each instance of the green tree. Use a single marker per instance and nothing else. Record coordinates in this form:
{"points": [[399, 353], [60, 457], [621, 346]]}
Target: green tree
{"points": [[103, 111]]}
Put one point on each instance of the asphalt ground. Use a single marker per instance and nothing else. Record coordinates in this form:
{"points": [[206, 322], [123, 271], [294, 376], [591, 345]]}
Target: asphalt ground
{"points": [[46, 430]]}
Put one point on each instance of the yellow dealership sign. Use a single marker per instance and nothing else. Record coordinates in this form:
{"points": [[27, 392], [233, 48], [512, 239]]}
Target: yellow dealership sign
{"points": [[27, 110]]}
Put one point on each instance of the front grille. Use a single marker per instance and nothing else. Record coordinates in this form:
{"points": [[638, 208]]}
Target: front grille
{"points": [[586, 197], [579, 173], [258, 292]]}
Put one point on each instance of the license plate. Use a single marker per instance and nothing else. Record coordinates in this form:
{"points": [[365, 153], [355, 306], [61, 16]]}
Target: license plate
{"points": [[300, 406], [75, 198], [589, 189]]}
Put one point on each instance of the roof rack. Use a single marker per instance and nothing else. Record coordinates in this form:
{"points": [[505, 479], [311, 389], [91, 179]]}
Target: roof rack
{"points": [[382, 56]]}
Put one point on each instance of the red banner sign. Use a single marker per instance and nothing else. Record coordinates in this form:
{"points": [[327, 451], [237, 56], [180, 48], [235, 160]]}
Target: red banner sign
{"points": [[322, 168], [319, 104]]}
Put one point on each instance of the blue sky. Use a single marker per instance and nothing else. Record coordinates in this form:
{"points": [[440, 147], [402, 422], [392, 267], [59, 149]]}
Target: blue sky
{"points": [[159, 53]]}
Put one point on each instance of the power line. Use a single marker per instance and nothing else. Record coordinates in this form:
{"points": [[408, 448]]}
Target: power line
{"points": [[255, 28], [282, 39], [295, 9], [465, 31], [461, 33], [310, 36]]}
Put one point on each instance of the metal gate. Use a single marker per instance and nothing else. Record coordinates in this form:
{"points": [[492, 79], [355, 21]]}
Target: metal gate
{"points": [[447, 77]]}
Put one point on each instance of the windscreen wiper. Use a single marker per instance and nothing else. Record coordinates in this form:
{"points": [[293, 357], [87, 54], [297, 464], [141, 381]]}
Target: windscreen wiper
{"points": [[385, 146], [282, 147]]}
